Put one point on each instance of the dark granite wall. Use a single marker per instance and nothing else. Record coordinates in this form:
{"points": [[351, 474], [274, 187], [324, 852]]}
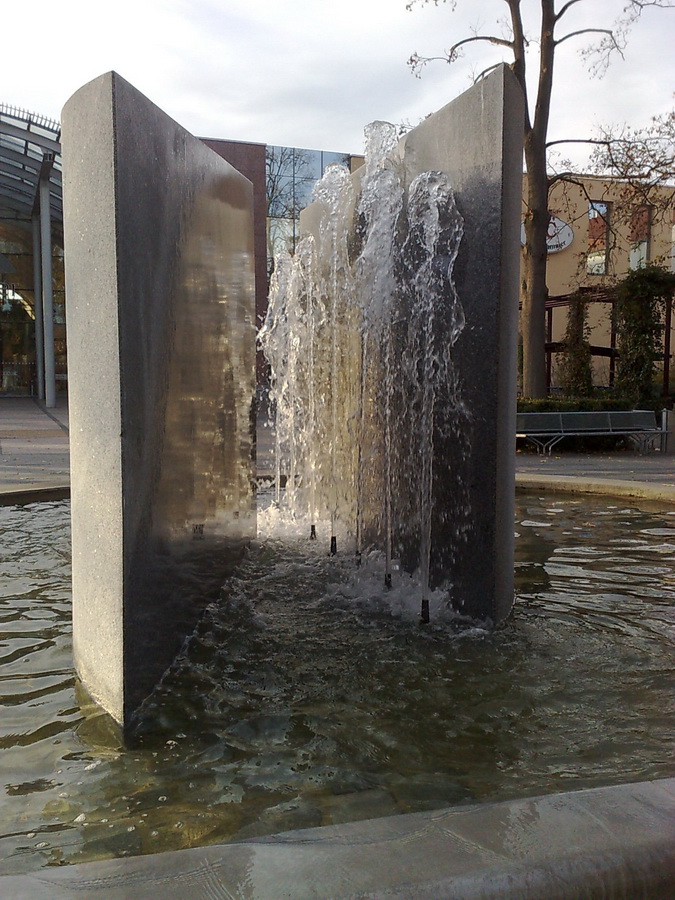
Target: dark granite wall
{"points": [[161, 337]]}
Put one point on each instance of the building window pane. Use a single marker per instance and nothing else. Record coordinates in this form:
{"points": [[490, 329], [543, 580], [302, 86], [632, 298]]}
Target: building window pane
{"points": [[280, 200], [640, 233], [638, 255], [597, 255], [303, 193], [279, 161], [328, 158], [307, 164]]}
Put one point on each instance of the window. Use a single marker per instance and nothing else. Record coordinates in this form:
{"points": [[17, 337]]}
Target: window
{"points": [[597, 255], [291, 174], [640, 232], [329, 158]]}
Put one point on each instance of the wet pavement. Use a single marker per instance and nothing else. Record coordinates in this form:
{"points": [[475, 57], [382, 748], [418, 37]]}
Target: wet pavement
{"points": [[34, 457]]}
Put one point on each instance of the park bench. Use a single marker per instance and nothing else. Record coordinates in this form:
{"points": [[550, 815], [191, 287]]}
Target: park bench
{"points": [[546, 429]]}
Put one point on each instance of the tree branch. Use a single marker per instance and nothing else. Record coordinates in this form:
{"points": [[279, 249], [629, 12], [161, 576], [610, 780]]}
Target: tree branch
{"points": [[604, 142], [641, 4], [482, 74], [417, 62], [488, 38], [411, 3], [562, 12], [607, 31]]}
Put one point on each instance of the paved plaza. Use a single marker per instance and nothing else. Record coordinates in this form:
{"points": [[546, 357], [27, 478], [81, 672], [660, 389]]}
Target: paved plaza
{"points": [[34, 460]]}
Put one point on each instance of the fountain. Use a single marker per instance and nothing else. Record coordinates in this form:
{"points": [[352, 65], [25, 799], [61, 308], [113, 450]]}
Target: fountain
{"points": [[392, 349], [411, 359], [361, 329], [395, 367]]}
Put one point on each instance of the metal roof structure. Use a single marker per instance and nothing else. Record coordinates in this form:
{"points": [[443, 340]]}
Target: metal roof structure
{"points": [[30, 146]]}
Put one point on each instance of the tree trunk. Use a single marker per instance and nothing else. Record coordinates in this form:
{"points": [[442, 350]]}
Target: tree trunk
{"points": [[533, 286], [533, 317]]}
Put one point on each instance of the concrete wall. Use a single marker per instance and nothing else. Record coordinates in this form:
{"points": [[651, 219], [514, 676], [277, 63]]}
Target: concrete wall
{"points": [[159, 249], [249, 159], [477, 140]]}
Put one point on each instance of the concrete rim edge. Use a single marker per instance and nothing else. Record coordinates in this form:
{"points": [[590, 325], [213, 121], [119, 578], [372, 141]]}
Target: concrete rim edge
{"points": [[612, 487], [572, 484]]}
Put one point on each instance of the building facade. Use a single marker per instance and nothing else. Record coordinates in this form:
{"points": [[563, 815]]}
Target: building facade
{"points": [[597, 234], [32, 300]]}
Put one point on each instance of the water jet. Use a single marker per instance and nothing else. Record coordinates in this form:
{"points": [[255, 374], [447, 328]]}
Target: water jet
{"points": [[391, 341]]}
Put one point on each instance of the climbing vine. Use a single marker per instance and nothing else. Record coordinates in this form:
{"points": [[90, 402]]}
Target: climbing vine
{"points": [[639, 324], [576, 373]]}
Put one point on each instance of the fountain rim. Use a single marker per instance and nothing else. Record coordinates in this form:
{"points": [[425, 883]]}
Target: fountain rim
{"points": [[617, 840], [652, 492], [658, 492]]}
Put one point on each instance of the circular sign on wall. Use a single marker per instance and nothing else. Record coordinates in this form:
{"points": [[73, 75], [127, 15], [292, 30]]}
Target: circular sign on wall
{"points": [[559, 237]]}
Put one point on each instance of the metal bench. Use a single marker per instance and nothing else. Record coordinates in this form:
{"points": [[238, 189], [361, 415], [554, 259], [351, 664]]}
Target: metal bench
{"points": [[546, 429]]}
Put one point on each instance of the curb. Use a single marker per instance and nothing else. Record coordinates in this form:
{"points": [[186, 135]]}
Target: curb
{"points": [[33, 493], [570, 484], [612, 842], [612, 487]]}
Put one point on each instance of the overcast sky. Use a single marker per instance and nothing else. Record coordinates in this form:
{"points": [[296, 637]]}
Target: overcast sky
{"points": [[311, 73]]}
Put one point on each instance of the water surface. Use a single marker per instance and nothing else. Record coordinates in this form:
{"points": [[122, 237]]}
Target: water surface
{"points": [[309, 696]]}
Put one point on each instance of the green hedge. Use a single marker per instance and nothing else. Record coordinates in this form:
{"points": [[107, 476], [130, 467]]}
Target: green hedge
{"points": [[583, 404]]}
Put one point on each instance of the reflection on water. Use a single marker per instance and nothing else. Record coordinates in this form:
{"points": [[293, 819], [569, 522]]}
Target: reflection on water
{"points": [[305, 701]]}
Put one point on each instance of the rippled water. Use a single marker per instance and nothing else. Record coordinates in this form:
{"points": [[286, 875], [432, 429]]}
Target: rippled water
{"points": [[309, 699]]}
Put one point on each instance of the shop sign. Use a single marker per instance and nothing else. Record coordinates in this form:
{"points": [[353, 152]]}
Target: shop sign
{"points": [[559, 237]]}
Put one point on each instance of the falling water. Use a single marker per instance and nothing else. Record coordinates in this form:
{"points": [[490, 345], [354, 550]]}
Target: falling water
{"points": [[306, 255], [336, 194], [378, 216], [274, 337], [359, 338], [429, 254]]}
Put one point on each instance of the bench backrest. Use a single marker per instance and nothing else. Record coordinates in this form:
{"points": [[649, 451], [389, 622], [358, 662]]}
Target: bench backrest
{"points": [[534, 422], [638, 419], [618, 421]]}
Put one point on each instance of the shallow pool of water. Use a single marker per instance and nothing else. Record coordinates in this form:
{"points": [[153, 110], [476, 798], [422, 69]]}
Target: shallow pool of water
{"points": [[308, 696]]}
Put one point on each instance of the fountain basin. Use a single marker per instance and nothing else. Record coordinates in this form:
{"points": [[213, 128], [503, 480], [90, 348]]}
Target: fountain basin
{"points": [[248, 761], [608, 842]]}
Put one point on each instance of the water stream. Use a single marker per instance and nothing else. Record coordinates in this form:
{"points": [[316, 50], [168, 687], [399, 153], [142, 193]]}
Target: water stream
{"points": [[359, 337], [311, 695]]}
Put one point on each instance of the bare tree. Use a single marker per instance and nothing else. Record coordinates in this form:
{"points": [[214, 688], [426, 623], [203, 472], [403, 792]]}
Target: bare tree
{"points": [[643, 162], [550, 18]]}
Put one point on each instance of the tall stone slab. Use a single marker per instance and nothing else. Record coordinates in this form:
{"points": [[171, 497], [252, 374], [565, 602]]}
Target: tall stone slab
{"points": [[477, 140], [161, 357], [427, 452]]}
